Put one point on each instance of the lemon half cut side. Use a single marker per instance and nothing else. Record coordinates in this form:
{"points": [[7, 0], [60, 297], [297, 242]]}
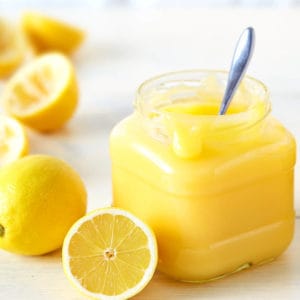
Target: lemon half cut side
{"points": [[44, 93], [109, 254], [13, 140]]}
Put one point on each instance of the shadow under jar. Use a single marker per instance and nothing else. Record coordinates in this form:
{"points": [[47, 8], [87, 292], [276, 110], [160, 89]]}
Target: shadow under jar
{"points": [[216, 190]]}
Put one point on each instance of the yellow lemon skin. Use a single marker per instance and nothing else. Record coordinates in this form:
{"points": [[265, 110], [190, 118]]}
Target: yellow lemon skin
{"points": [[40, 198], [49, 34], [12, 48]]}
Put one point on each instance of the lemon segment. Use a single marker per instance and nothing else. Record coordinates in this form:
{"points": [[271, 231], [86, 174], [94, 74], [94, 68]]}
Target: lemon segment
{"points": [[12, 48], [109, 254], [41, 197], [49, 34], [13, 140], [44, 93]]}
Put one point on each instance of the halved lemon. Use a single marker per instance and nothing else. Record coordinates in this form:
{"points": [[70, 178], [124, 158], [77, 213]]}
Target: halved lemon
{"points": [[48, 34], [12, 50], [109, 254], [43, 94], [13, 140]]}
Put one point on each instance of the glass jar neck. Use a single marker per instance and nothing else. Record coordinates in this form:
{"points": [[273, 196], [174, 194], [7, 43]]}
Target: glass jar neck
{"points": [[182, 108]]}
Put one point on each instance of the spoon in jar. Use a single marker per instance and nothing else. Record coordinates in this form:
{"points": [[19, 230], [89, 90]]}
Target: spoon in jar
{"points": [[240, 61]]}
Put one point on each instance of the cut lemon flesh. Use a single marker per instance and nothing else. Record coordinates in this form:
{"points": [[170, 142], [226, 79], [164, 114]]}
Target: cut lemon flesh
{"points": [[48, 34], [110, 254], [12, 48], [43, 94], [13, 140], [38, 85]]}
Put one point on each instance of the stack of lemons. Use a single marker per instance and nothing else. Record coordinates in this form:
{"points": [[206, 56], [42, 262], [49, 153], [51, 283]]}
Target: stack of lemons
{"points": [[37, 34], [107, 254], [41, 89]]}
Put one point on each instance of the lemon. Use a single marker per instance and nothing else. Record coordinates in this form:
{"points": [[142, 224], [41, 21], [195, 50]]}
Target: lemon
{"points": [[43, 94], [13, 140], [12, 50], [48, 34], [40, 198], [109, 254]]}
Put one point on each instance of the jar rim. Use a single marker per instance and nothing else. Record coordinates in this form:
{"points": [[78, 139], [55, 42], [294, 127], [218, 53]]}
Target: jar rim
{"points": [[163, 78], [187, 71]]}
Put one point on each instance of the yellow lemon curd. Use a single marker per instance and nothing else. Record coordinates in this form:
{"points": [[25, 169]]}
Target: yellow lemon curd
{"points": [[217, 190]]}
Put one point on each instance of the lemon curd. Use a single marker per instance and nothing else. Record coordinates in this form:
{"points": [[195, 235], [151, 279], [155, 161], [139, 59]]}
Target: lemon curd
{"points": [[217, 190]]}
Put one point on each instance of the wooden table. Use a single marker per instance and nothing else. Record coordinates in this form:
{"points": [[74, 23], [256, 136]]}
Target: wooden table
{"points": [[124, 48]]}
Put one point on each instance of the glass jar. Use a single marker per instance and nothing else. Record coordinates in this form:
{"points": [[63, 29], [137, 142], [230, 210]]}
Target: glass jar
{"points": [[216, 189]]}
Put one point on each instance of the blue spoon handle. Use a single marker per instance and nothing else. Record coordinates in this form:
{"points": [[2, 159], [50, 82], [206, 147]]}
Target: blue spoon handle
{"points": [[240, 61]]}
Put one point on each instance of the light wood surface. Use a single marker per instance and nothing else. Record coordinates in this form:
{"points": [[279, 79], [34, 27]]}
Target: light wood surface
{"points": [[123, 49], [42, 278]]}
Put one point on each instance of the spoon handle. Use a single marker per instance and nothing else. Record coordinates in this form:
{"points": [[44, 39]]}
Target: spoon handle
{"points": [[240, 61]]}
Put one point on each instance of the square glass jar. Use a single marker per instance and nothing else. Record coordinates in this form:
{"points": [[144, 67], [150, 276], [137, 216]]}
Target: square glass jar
{"points": [[216, 190]]}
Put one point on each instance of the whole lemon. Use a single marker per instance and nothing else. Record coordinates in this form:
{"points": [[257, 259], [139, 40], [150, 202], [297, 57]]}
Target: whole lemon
{"points": [[40, 198]]}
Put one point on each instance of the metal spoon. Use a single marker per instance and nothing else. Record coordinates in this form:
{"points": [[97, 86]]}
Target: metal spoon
{"points": [[240, 61]]}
